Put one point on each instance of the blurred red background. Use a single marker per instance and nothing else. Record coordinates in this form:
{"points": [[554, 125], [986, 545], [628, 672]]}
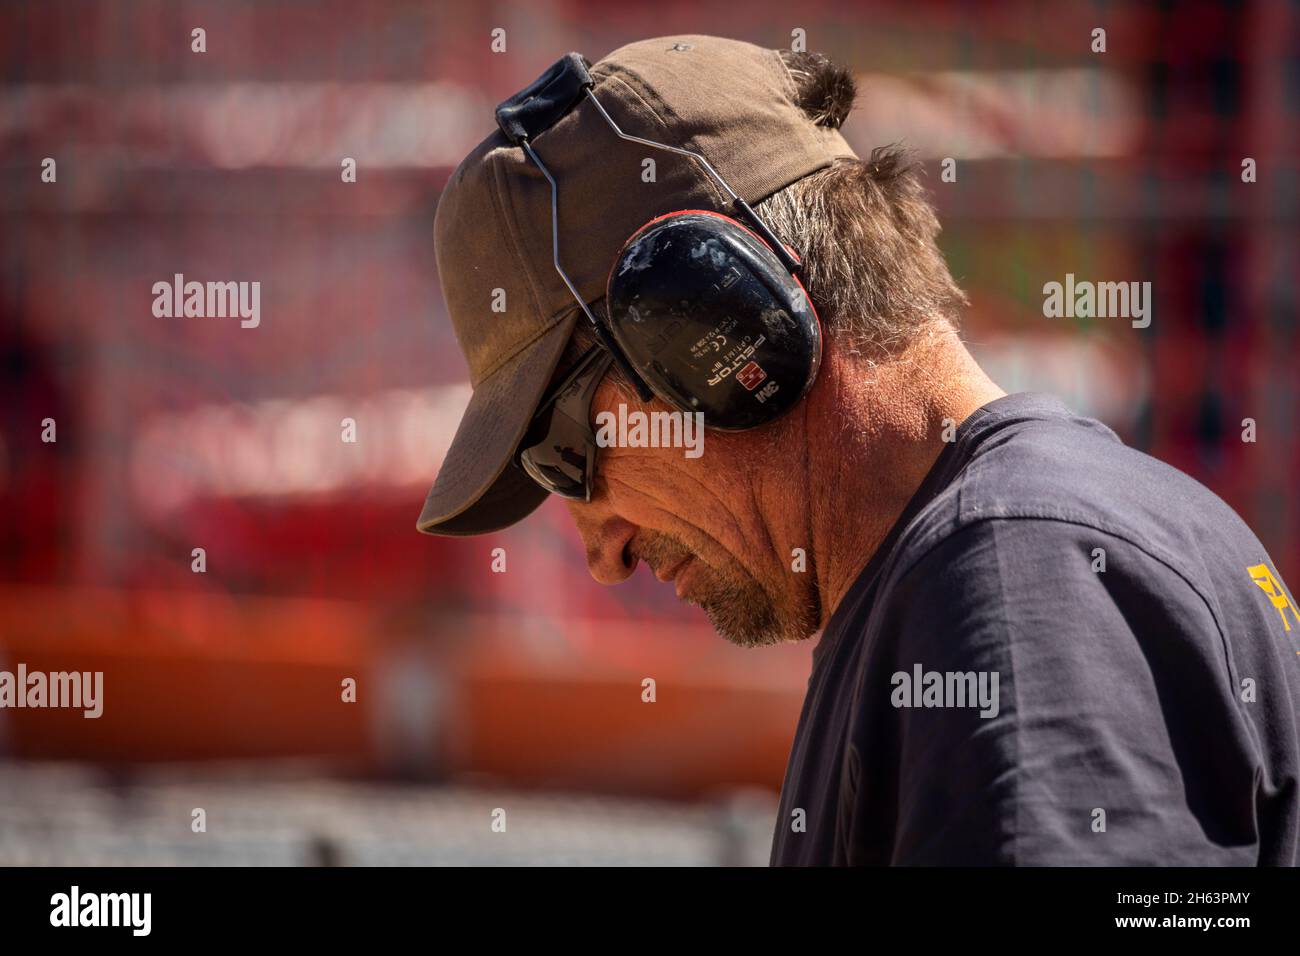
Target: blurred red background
{"points": [[176, 434]]}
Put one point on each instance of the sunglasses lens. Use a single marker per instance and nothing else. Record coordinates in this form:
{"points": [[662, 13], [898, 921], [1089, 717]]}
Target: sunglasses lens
{"points": [[559, 450], [558, 455]]}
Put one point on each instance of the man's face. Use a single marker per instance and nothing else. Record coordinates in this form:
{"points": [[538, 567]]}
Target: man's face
{"points": [[706, 524]]}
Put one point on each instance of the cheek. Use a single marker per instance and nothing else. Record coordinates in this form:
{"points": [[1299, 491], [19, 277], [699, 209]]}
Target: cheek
{"points": [[637, 478], [698, 494], [694, 500]]}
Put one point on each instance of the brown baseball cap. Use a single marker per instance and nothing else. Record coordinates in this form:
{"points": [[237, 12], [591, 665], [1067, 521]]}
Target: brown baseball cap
{"points": [[732, 102]]}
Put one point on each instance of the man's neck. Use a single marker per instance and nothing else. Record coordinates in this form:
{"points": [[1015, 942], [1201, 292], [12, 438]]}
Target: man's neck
{"points": [[874, 432]]}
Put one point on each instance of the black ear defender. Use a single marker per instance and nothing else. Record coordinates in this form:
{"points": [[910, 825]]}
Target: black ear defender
{"points": [[706, 312], [713, 320]]}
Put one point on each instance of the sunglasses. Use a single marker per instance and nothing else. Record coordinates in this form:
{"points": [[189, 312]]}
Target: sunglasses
{"points": [[559, 449]]}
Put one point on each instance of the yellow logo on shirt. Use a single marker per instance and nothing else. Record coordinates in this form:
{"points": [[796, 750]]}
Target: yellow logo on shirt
{"points": [[1270, 585]]}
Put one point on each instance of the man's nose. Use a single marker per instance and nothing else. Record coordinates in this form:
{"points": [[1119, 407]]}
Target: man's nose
{"points": [[606, 538]]}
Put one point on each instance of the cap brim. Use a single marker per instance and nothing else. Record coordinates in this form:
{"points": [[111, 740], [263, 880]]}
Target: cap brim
{"points": [[479, 488]]}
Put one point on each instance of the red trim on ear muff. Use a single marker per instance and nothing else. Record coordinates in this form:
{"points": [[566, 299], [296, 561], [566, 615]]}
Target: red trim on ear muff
{"points": [[818, 318]]}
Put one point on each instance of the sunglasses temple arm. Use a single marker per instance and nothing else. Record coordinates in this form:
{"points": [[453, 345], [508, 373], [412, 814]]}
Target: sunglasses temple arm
{"points": [[791, 262], [602, 333]]}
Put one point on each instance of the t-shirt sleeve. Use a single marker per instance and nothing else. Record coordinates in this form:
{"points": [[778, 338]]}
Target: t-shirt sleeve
{"points": [[1105, 726]]}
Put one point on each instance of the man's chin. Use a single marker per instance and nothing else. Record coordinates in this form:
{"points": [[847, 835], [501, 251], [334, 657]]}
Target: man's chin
{"points": [[752, 622], [742, 612]]}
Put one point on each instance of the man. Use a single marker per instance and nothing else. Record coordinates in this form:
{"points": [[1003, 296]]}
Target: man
{"points": [[1038, 646]]}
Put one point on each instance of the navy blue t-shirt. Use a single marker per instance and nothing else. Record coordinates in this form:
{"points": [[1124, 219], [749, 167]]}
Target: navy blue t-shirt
{"points": [[1065, 652]]}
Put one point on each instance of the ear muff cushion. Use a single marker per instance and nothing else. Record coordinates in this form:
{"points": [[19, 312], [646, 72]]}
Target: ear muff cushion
{"points": [[712, 320]]}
